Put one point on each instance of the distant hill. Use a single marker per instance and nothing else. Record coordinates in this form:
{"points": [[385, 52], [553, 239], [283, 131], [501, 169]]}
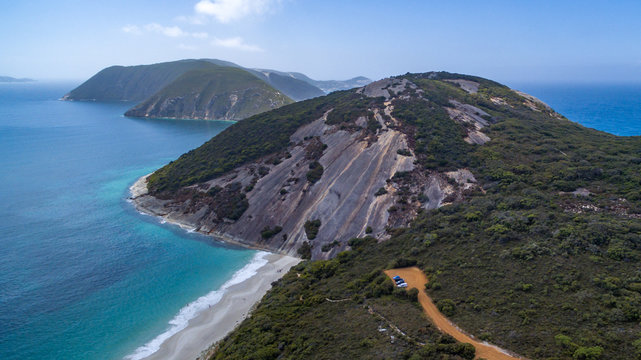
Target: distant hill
{"points": [[294, 88], [5, 79], [137, 83], [132, 83], [327, 86], [211, 92], [202, 89]]}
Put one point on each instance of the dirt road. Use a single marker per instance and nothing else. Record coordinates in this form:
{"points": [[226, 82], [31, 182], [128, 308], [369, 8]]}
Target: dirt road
{"points": [[415, 278]]}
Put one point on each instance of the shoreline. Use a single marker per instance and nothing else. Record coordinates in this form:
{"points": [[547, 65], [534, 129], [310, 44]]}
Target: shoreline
{"points": [[139, 189], [216, 313]]}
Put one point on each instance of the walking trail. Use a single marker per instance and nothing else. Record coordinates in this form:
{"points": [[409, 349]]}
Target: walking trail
{"points": [[415, 278]]}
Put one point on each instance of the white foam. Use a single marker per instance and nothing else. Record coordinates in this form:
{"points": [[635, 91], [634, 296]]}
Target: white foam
{"points": [[191, 310]]}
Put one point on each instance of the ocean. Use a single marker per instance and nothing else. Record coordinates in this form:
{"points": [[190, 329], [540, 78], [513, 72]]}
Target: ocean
{"points": [[82, 274], [613, 108]]}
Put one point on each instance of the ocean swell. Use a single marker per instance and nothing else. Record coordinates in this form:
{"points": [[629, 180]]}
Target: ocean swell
{"points": [[191, 310]]}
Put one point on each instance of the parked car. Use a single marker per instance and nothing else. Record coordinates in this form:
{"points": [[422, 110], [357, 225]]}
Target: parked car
{"points": [[402, 285]]}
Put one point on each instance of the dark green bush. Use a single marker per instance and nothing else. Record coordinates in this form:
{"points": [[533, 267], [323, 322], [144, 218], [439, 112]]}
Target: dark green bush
{"points": [[311, 228]]}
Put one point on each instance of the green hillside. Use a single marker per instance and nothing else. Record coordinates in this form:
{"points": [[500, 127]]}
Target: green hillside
{"points": [[543, 261], [137, 83], [132, 83], [214, 92], [292, 87]]}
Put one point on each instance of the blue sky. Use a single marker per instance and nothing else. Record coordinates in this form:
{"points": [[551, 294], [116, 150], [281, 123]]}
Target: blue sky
{"points": [[509, 41]]}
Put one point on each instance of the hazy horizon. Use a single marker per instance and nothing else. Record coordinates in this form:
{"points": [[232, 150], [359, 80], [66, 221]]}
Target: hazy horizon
{"points": [[501, 40]]}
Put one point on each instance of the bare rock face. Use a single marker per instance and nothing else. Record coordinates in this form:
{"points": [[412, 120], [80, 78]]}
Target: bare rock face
{"points": [[474, 118], [334, 182], [533, 103], [386, 88], [472, 87], [344, 199]]}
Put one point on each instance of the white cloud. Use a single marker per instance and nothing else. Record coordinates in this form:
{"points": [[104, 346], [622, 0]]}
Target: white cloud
{"points": [[187, 47], [132, 29], [200, 35], [194, 20], [236, 43], [170, 31], [227, 11]]}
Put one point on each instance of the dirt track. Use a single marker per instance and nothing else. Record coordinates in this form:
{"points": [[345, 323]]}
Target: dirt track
{"points": [[415, 278]]}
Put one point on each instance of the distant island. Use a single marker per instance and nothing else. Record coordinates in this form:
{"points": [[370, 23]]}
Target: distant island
{"points": [[208, 89], [9, 79]]}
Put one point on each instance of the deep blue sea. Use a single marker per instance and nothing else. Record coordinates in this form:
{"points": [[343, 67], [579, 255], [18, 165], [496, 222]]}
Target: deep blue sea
{"points": [[82, 274], [614, 108]]}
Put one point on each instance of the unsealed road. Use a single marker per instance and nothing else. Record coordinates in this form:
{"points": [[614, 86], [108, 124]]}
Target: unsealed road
{"points": [[415, 278]]}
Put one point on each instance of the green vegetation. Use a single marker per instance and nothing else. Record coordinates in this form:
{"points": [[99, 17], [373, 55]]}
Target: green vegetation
{"points": [[294, 88], [305, 250], [268, 233], [311, 228], [213, 92], [225, 203], [525, 264], [296, 321], [248, 140], [380, 191], [438, 140], [352, 106], [133, 83], [330, 246], [137, 83], [315, 172]]}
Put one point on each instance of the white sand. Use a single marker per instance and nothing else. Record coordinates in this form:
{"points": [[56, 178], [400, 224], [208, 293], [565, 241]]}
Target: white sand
{"points": [[213, 324]]}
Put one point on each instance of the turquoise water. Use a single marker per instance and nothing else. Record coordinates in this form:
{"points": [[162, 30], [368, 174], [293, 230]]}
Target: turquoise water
{"points": [[83, 275]]}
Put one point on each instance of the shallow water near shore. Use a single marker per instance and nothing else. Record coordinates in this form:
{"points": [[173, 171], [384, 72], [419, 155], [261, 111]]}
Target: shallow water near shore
{"points": [[82, 274]]}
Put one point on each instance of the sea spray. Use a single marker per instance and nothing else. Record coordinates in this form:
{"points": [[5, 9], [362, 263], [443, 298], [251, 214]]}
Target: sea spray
{"points": [[191, 310]]}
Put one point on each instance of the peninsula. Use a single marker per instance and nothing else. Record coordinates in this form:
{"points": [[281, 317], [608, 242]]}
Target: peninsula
{"points": [[524, 223]]}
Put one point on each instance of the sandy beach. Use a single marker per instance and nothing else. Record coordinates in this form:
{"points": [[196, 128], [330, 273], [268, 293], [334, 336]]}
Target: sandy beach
{"points": [[237, 297], [213, 324]]}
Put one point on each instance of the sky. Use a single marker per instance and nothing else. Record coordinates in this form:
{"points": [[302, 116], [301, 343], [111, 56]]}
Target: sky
{"points": [[508, 41]]}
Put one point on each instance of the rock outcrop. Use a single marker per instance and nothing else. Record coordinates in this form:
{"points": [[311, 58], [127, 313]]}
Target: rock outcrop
{"points": [[336, 180]]}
